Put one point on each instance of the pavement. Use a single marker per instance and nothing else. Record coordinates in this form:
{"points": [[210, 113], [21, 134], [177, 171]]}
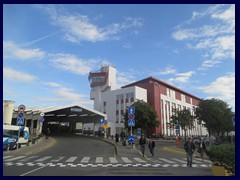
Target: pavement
{"points": [[41, 145], [120, 150]]}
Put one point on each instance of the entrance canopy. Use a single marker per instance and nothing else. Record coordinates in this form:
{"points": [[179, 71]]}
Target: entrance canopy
{"points": [[72, 113]]}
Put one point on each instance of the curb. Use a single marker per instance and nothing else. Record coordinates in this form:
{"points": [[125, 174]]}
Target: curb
{"points": [[173, 151], [42, 149]]}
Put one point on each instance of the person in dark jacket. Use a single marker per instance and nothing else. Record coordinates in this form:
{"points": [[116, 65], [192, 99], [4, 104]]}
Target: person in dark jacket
{"points": [[202, 149], [117, 137], [189, 148], [142, 142], [151, 145]]}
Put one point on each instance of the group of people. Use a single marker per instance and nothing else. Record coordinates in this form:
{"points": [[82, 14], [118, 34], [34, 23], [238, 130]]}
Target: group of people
{"points": [[188, 146]]}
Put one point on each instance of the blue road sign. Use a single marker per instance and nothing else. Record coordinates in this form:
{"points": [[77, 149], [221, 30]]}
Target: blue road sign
{"points": [[41, 119], [105, 122], [131, 116], [139, 132], [101, 120], [131, 139], [20, 121], [177, 126], [131, 123], [131, 110], [21, 114], [177, 131]]}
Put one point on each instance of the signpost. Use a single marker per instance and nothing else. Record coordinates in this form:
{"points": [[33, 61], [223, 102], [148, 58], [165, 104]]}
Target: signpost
{"points": [[20, 120], [131, 123]]}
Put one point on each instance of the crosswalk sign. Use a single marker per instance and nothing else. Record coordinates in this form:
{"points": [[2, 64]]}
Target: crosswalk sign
{"points": [[131, 123]]}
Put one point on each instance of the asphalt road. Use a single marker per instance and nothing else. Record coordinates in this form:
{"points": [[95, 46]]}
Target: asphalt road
{"points": [[83, 156]]}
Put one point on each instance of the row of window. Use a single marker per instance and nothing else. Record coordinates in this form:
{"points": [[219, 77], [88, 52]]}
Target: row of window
{"points": [[171, 93]]}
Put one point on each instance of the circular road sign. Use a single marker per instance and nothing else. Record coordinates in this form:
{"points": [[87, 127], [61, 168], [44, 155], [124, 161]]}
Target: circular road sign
{"points": [[42, 114], [21, 107], [131, 116], [20, 115]]}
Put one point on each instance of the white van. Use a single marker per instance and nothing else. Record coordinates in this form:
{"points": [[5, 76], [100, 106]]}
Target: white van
{"points": [[10, 136]]}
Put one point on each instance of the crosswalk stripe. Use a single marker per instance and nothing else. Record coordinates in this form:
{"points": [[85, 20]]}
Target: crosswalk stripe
{"points": [[15, 158], [166, 160], [85, 160], [57, 160], [28, 158], [43, 159], [99, 160], [126, 160], [205, 160], [71, 159], [139, 160], [113, 160], [5, 157], [179, 160]]}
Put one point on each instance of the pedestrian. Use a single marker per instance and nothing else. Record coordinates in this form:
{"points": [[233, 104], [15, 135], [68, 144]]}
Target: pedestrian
{"points": [[151, 145], [189, 148], [142, 142], [47, 133], [117, 137], [122, 135], [201, 149]]}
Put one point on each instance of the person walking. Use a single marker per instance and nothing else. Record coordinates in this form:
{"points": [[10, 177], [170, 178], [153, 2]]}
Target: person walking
{"points": [[47, 133], [117, 137], [151, 145], [202, 149], [189, 148], [142, 142], [123, 140]]}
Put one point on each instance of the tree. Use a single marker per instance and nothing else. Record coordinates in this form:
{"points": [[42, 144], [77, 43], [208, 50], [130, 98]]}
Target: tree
{"points": [[145, 116], [183, 118], [216, 115]]}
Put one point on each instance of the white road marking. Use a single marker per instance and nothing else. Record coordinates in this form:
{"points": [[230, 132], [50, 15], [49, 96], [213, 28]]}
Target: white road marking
{"points": [[126, 160], [166, 160], [179, 160], [28, 158], [5, 157], [15, 158], [99, 159], [85, 160], [57, 160], [139, 160], [71, 159], [44, 158], [33, 170], [113, 160]]}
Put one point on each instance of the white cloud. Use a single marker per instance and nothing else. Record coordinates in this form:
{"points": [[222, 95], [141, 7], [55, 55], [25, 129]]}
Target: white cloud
{"points": [[17, 76], [222, 88], [182, 77], [218, 39], [12, 50], [64, 94], [207, 64], [124, 78], [168, 70], [79, 27], [71, 63]]}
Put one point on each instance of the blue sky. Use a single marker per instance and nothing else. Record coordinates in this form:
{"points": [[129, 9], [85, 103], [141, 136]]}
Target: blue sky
{"points": [[49, 50]]}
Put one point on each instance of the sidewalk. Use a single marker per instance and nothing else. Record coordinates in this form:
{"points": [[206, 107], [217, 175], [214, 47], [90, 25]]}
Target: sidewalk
{"points": [[43, 144]]}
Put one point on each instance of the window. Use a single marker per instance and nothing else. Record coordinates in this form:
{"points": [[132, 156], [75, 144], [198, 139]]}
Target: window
{"points": [[183, 98]]}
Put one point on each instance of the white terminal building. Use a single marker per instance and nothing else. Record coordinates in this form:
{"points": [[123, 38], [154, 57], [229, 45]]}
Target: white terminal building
{"points": [[162, 96]]}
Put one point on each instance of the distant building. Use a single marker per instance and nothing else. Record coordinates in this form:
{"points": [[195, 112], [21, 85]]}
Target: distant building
{"points": [[162, 96]]}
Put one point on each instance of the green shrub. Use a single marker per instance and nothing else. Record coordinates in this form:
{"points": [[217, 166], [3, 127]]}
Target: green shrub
{"points": [[223, 155]]}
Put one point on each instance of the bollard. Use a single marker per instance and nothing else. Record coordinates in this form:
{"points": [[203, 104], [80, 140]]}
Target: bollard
{"points": [[8, 147]]}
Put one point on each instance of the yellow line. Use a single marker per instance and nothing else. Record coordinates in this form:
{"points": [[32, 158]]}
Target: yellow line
{"points": [[42, 149], [174, 151]]}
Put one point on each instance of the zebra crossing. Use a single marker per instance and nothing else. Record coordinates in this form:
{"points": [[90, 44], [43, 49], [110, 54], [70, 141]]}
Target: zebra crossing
{"points": [[76, 161]]}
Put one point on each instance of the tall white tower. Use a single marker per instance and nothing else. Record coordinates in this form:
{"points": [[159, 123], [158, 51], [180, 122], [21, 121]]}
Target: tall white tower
{"points": [[101, 81], [8, 107]]}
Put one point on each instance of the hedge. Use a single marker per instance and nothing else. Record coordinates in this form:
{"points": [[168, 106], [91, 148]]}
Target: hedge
{"points": [[223, 155]]}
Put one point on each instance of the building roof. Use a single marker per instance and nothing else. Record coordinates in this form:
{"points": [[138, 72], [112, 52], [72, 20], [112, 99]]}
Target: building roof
{"points": [[160, 82]]}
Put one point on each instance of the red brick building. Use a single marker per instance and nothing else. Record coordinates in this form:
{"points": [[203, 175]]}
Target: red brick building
{"points": [[164, 97]]}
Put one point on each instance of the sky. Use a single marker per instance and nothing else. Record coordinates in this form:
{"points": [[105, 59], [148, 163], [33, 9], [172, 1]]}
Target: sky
{"points": [[49, 50]]}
